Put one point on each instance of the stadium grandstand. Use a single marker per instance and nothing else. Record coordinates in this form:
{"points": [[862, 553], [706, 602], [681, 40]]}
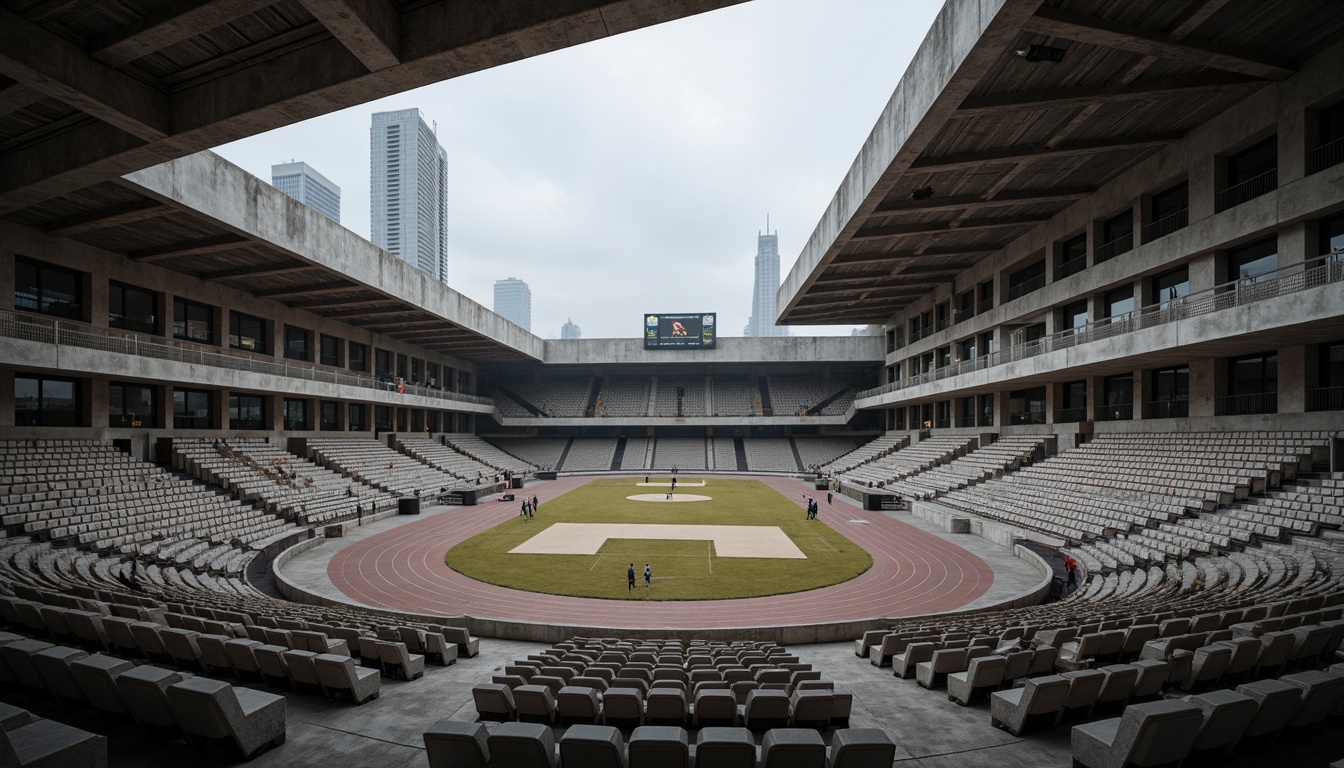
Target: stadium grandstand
{"points": [[1096, 452]]}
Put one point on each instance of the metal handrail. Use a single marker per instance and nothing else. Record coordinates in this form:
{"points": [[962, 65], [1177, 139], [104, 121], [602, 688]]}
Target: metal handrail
{"points": [[1247, 190], [1292, 279], [28, 328]]}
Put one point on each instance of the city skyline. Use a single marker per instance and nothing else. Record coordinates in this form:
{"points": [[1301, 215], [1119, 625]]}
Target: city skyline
{"points": [[765, 284], [302, 182], [513, 302], [570, 331], [408, 189]]}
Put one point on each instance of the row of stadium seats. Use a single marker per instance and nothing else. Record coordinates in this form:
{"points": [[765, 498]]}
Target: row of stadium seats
{"points": [[703, 396]]}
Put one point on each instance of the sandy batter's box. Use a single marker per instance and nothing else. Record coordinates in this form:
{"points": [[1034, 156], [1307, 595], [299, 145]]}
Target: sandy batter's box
{"points": [[729, 540]]}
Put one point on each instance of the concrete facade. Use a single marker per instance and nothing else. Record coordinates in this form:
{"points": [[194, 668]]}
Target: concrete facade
{"points": [[303, 183]]}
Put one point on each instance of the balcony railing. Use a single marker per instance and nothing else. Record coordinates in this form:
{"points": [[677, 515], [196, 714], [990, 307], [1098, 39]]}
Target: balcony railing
{"points": [[1071, 267], [1023, 288], [1247, 190], [1116, 412], [1108, 251], [1325, 399], [1246, 405], [984, 306], [1325, 156], [1166, 409], [1283, 282], [1027, 417], [963, 315], [1071, 415], [29, 328], [1166, 225]]}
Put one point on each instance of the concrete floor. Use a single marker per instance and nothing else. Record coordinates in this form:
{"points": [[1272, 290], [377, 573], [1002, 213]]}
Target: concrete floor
{"points": [[928, 729]]}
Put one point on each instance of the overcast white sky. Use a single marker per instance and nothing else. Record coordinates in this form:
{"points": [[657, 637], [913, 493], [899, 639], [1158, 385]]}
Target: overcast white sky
{"points": [[633, 174]]}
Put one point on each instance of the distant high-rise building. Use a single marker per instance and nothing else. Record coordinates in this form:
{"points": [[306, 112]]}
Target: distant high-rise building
{"points": [[408, 190], [570, 331], [763, 314], [301, 182], [513, 301]]}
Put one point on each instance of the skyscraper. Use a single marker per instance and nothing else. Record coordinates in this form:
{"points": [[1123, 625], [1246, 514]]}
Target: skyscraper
{"points": [[513, 301], [570, 331], [301, 182], [762, 320], [408, 190]]}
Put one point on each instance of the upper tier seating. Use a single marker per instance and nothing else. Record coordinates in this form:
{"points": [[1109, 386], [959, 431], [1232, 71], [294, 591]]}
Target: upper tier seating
{"points": [[725, 453], [371, 462], [454, 462], [984, 463], [692, 401], [638, 454], [791, 397], [292, 486], [818, 451], [542, 452], [627, 399], [590, 454], [486, 453], [770, 454], [917, 457], [566, 399], [736, 397], [867, 452]]}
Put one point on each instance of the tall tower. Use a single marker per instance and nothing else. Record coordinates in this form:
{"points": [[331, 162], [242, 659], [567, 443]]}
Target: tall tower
{"points": [[513, 301], [408, 190], [762, 321], [570, 331], [301, 182]]}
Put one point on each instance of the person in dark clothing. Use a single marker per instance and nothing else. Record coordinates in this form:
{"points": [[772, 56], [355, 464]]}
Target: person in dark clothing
{"points": [[630, 578], [535, 503], [648, 575], [359, 514]]}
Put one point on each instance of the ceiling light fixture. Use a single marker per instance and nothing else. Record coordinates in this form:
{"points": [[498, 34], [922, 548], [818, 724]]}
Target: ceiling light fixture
{"points": [[1034, 53]]}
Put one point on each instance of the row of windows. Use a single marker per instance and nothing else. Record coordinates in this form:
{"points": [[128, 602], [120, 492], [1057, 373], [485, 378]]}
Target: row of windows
{"points": [[1242, 176], [57, 291], [1251, 387], [49, 401]]}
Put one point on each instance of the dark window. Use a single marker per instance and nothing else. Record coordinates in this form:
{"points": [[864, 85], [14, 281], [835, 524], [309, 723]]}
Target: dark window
{"points": [[1027, 406], [432, 375], [132, 406], [1332, 364], [382, 363], [1072, 257], [382, 418], [296, 415], [417, 370], [1120, 302], [1073, 407], [1073, 316], [132, 309], [1251, 173], [47, 289], [1170, 287], [298, 343], [966, 349], [986, 345], [402, 367], [193, 409], [944, 355], [1329, 150], [1168, 211], [247, 412], [464, 381], [965, 306], [432, 421], [193, 322], [47, 402], [1117, 236], [942, 314], [1033, 332], [914, 329], [985, 299], [1250, 262], [329, 416], [248, 332], [1252, 386], [966, 411], [357, 417], [1118, 398], [330, 349], [986, 411], [1332, 237], [1171, 393], [359, 357], [1023, 281]]}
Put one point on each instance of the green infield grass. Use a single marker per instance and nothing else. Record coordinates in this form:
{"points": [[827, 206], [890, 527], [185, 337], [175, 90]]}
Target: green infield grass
{"points": [[682, 570]]}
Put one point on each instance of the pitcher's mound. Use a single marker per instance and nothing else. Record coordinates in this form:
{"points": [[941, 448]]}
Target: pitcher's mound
{"points": [[663, 497]]}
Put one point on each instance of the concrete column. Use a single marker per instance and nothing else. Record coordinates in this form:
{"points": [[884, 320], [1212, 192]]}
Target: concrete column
{"points": [[1142, 382], [1293, 242], [1000, 409], [1202, 170], [1205, 386], [1096, 396], [164, 396], [1292, 379], [7, 287], [98, 402], [1203, 272], [1291, 144], [275, 410]]}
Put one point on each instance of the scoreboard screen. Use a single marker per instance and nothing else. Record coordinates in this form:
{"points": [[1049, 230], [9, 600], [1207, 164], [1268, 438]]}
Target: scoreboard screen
{"points": [[693, 331]]}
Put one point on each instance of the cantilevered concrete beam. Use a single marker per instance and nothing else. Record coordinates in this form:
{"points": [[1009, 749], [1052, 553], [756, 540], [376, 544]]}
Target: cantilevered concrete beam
{"points": [[367, 28], [115, 216], [368, 309], [1057, 22], [855, 259], [14, 97], [35, 58], [190, 248], [1020, 154], [175, 23], [230, 274], [971, 202], [1078, 96], [328, 287], [939, 227]]}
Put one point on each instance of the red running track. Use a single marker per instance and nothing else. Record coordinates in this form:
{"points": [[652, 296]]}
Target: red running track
{"points": [[913, 573]]}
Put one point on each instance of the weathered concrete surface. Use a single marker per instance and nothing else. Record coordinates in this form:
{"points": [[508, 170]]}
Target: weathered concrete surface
{"points": [[784, 349], [214, 188]]}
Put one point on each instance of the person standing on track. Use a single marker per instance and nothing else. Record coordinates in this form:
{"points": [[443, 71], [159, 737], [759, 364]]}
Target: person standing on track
{"points": [[630, 578]]}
